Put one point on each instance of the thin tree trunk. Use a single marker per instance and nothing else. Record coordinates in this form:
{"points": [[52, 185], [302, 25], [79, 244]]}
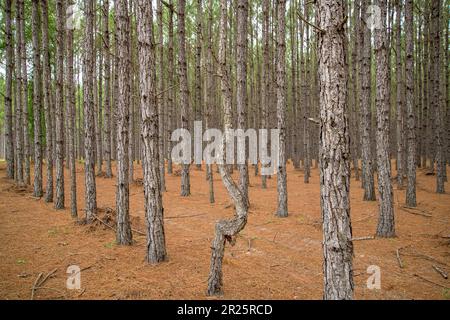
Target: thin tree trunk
{"points": [[37, 190], [241, 75], [8, 92], [60, 25], [18, 107], [265, 76], [123, 234], [89, 124], [171, 94], [70, 114], [365, 107], [399, 83], [106, 75], [161, 97], [26, 133], [334, 152], [386, 223], [184, 91], [225, 230], [410, 107], [282, 210], [156, 247]]}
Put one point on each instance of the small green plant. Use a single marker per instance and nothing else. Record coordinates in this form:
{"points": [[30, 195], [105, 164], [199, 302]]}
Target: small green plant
{"points": [[110, 245], [52, 231], [20, 261], [446, 294]]}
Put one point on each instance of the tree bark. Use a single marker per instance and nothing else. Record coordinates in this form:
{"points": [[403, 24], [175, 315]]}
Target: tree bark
{"points": [[107, 76], [171, 83], [386, 222], [265, 70], [37, 190], [399, 83], [282, 210], [8, 92], [18, 107], [334, 152], [156, 247], [89, 124], [123, 234], [225, 230], [365, 107], [161, 98], [410, 107], [184, 91], [59, 201]]}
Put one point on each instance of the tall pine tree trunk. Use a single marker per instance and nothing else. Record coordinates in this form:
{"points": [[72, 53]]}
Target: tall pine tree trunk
{"points": [[154, 211], [282, 210], [410, 107], [123, 234], [60, 25], [8, 92], [334, 152], [89, 125], [107, 76], [184, 91], [386, 223], [37, 81]]}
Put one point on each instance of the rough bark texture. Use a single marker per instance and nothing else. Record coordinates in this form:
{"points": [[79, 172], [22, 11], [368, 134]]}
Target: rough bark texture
{"points": [[59, 200], [123, 234], [282, 210], [8, 92], [89, 130], [198, 106], [37, 190], [184, 91], [366, 112], [161, 98], [106, 75], [26, 133], [265, 70], [400, 90], [386, 223], [70, 114], [171, 94], [410, 107], [154, 211], [46, 100], [435, 62], [334, 152], [225, 230], [18, 137], [241, 75], [209, 100]]}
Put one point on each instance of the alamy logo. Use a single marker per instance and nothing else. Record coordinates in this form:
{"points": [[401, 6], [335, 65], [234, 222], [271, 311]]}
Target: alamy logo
{"points": [[373, 17], [374, 281], [257, 148], [73, 281]]}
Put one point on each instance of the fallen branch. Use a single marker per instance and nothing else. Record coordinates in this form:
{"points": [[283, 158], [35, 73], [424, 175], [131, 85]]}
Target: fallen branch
{"points": [[186, 216], [440, 271], [365, 218], [406, 209], [112, 228], [363, 238], [427, 280], [33, 288]]}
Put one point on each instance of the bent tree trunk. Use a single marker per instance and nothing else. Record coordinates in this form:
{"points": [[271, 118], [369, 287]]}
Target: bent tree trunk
{"points": [[334, 152], [225, 230], [154, 211]]}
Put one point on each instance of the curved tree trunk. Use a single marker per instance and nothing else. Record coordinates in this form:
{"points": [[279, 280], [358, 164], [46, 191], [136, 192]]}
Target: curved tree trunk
{"points": [[225, 230], [334, 152]]}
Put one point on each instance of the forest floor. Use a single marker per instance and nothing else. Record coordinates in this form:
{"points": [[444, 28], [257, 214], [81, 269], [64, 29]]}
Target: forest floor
{"points": [[274, 258]]}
